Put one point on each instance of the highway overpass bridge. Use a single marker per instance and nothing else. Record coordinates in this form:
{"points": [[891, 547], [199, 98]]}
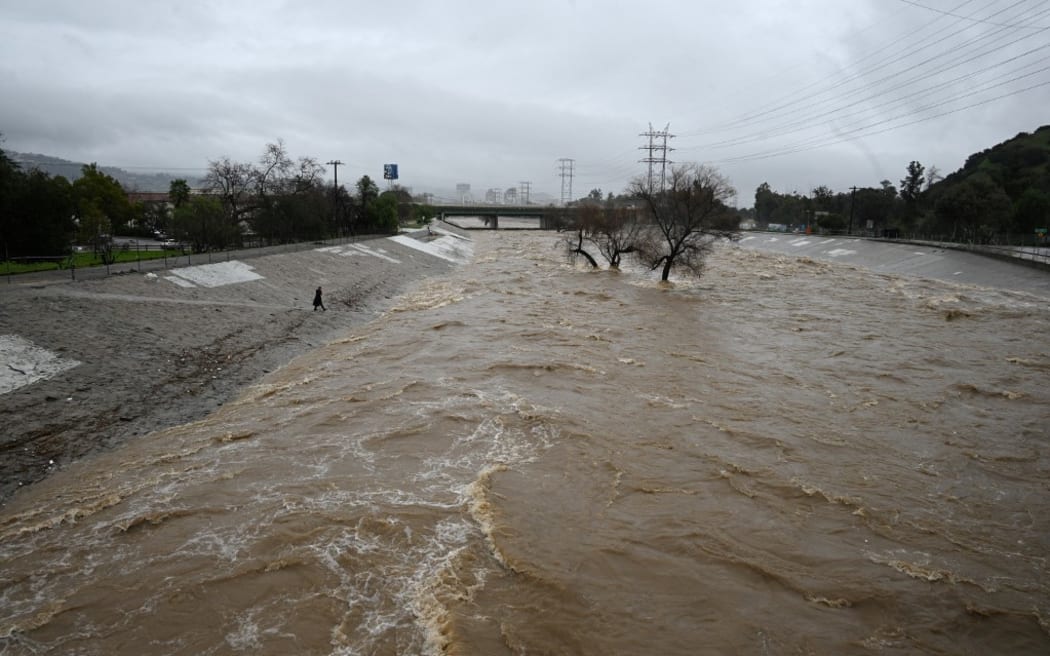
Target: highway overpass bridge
{"points": [[547, 217]]}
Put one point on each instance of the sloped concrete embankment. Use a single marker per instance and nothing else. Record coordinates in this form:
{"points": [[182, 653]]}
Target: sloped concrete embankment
{"points": [[927, 261], [87, 365]]}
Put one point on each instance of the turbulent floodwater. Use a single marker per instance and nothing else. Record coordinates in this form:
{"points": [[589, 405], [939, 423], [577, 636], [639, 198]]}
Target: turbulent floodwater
{"points": [[786, 457]]}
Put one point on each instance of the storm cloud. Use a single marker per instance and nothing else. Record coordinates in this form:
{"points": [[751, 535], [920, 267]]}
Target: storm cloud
{"points": [[797, 94]]}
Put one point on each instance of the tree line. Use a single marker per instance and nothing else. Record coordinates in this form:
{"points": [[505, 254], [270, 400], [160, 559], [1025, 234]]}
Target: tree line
{"points": [[275, 200], [1000, 195], [43, 215]]}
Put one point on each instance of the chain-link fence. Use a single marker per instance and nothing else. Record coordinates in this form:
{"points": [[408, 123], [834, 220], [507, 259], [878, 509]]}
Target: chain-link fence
{"points": [[168, 262]]}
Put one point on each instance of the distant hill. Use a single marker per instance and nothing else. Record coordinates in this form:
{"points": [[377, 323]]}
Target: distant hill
{"points": [[1000, 195], [70, 170], [1016, 165]]}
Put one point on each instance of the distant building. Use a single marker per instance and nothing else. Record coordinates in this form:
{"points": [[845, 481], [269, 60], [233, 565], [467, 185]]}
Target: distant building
{"points": [[148, 197], [463, 191], [494, 196]]}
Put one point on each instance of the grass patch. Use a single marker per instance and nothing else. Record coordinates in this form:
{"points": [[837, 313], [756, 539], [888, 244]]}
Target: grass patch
{"points": [[82, 260]]}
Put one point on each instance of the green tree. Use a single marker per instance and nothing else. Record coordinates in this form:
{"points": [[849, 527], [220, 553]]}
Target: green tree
{"points": [[911, 194], [873, 208], [36, 212], [823, 199], [11, 178], [102, 191], [367, 191], [102, 210], [424, 213], [382, 215], [911, 185], [1032, 211], [201, 222], [975, 210], [765, 204], [45, 205], [155, 218], [179, 192]]}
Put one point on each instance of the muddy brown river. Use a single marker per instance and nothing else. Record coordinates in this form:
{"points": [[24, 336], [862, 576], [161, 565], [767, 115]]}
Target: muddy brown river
{"points": [[525, 457]]}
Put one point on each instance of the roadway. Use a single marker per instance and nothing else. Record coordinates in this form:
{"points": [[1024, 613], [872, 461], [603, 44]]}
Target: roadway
{"points": [[914, 259]]}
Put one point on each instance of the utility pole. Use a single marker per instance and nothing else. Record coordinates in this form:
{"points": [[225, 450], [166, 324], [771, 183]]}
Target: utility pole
{"points": [[335, 164], [852, 197], [653, 146], [523, 197], [335, 191], [566, 166]]}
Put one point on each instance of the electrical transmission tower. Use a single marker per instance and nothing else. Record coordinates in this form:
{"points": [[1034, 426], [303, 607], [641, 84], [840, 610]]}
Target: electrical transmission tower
{"points": [[657, 144], [523, 195], [566, 167]]}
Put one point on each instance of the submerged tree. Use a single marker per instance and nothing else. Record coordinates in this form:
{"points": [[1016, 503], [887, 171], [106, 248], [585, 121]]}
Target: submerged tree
{"points": [[614, 232], [688, 217], [617, 232]]}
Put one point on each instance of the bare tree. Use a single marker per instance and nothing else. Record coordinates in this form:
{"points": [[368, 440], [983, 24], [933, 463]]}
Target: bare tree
{"points": [[616, 232], [574, 246], [232, 182], [308, 175], [688, 217], [274, 170]]}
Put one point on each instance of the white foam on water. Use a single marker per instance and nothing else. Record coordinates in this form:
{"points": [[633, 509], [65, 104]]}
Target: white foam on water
{"points": [[216, 275], [839, 252], [799, 242], [446, 247], [23, 363]]}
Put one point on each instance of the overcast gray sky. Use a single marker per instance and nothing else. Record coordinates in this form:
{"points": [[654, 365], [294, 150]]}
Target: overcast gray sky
{"points": [[796, 93]]}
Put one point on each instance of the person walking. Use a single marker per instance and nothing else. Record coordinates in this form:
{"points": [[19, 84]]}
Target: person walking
{"points": [[318, 303]]}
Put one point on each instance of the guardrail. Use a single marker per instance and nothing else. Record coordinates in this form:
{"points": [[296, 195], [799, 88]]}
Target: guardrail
{"points": [[1037, 255]]}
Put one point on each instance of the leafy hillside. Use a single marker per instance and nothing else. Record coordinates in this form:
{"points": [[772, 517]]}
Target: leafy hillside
{"points": [[1016, 165], [1000, 194]]}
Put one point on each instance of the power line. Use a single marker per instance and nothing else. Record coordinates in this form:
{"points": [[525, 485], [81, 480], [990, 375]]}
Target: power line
{"points": [[954, 15], [917, 88], [832, 89], [813, 146], [850, 73]]}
